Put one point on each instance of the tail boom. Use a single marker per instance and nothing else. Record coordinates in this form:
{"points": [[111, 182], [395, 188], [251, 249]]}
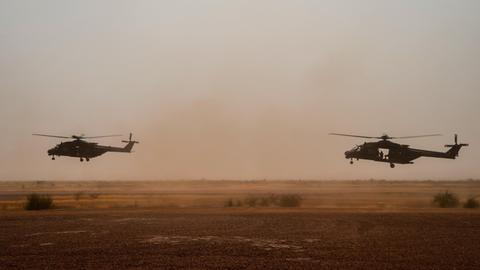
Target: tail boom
{"points": [[126, 149]]}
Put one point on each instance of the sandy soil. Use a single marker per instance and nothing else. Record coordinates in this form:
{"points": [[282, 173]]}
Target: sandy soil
{"points": [[239, 239], [184, 224]]}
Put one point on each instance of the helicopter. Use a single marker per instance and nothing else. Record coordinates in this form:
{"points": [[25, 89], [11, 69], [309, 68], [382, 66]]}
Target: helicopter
{"points": [[85, 150], [397, 153]]}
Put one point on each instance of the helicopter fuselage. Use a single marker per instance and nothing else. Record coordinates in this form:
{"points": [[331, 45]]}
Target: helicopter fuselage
{"points": [[397, 153], [77, 148], [82, 149]]}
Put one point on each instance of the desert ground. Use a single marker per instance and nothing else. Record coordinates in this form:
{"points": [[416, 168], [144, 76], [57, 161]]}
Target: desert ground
{"points": [[187, 224]]}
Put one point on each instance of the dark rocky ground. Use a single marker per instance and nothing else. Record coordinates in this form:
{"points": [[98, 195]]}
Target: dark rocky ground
{"points": [[239, 239]]}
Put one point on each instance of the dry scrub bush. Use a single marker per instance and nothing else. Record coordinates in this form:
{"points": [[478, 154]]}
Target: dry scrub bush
{"points": [[290, 200], [38, 202], [239, 203], [251, 201], [264, 202], [283, 200], [229, 203], [471, 203], [446, 200]]}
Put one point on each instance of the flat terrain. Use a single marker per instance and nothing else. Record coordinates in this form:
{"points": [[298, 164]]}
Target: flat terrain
{"points": [[207, 194], [171, 225], [239, 239]]}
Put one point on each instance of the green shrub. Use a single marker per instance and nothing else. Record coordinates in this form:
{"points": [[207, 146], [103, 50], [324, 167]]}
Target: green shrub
{"points": [[290, 200], [38, 202], [471, 203], [446, 200]]}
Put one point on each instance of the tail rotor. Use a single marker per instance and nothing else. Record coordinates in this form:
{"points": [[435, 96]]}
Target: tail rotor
{"points": [[455, 139], [455, 148], [130, 139]]}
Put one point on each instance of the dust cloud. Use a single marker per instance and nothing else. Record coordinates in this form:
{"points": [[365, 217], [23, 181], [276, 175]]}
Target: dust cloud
{"points": [[242, 90]]}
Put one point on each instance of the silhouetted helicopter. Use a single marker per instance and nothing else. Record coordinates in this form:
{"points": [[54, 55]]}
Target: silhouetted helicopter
{"points": [[397, 153], [83, 149]]}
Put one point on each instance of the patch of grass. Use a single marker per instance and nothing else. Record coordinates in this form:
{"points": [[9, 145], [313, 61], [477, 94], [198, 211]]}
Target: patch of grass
{"points": [[38, 202], [290, 200], [264, 202], [446, 200], [282, 200], [251, 201], [471, 203]]}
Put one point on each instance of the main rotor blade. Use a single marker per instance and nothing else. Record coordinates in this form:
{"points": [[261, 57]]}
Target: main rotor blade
{"points": [[356, 136], [52, 136], [417, 136], [104, 136]]}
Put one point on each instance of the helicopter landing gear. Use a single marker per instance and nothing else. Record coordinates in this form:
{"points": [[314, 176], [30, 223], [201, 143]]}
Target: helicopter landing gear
{"points": [[53, 157], [81, 159], [87, 159], [351, 161], [392, 165]]}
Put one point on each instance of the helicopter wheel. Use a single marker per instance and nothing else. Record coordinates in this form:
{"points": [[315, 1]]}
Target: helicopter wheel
{"points": [[351, 161], [87, 159], [53, 158], [81, 159], [392, 165]]}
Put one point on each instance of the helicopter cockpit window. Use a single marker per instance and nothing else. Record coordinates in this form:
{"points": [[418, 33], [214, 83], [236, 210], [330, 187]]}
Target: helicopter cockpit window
{"points": [[355, 149]]}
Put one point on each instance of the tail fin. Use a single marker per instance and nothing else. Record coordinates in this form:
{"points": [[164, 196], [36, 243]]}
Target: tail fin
{"points": [[130, 143], [454, 148]]}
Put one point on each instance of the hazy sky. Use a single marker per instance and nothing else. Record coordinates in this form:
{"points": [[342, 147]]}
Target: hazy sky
{"points": [[237, 89]]}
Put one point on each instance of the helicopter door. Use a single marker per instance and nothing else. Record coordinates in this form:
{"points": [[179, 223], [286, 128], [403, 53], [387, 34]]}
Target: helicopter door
{"points": [[383, 153]]}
